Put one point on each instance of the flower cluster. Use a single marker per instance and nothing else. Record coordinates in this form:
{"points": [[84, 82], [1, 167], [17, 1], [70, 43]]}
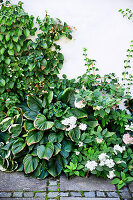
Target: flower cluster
{"points": [[104, 160], [117, 148], [70, 123], [111, 174], [79, 104], [91, 165], [82, 127], [127, 139]]}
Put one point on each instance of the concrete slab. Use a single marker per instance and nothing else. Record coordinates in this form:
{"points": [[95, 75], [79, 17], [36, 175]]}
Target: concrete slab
{"points": [[16, 181], [85, 184], [82, 198]]}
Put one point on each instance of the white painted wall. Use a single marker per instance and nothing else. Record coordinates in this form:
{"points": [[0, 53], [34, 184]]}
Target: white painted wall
{"points": [[100, 28]]}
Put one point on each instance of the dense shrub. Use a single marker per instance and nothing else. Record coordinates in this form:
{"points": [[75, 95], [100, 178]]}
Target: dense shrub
{"points": [[49, 125]]}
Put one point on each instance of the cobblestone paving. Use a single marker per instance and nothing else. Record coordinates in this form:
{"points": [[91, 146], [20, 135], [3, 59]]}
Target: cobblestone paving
{"points": [[15, 186]]}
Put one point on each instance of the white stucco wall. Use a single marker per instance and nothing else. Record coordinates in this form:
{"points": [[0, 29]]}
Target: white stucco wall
{"points": [[100, 28]]}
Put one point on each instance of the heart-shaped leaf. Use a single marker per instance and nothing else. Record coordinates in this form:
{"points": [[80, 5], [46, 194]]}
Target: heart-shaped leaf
{"points": [[40, 123], [34, 103], [4, 125], [30, 163], [34, 137], [45, 152], [18, 146], [15, 130]]}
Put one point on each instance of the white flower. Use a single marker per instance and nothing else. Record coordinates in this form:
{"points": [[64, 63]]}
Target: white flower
{"points": [[103, 157], [79, 104], [91, 165], [72, 126], [99, 140], [98, 107], [111, 174], [76, 90], [127, 127], [83, 87], [77, 153], [102, 163], [110, 163], [82, 127], [80, 144], [118, 148], [70, 122], [65, 121]]}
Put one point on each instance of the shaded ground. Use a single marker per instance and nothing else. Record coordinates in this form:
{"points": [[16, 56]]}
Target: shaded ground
{"points": [[15, 186]]}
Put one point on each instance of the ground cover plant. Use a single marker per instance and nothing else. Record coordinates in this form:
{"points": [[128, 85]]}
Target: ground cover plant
{"points": [[50, 125]]}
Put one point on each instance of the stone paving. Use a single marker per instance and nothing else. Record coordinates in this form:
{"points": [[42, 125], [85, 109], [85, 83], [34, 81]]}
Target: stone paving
{"points": [[15, 186]]}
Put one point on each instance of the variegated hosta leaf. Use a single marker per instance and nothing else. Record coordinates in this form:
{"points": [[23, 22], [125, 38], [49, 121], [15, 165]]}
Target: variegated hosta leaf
{"points": [[29, 126], [30, 163], [45, 151], [40, 123], [15, 130], [18, 145], [34, 103], [4, 125], [34, 137], [74, 134]]}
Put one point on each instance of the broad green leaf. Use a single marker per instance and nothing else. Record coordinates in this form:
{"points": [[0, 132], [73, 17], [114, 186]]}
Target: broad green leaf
{"points": [[115, 181], [18, 47], [92, 122], [37, 171], [55, 166], [57, 148], [2, 82], [31, 115], [34, 103], [26, 32], [7, 37], [68, 96], [4, 125], [43, 174], [67, 145], [52, 137], [18, 119], [45, 152], [18, 146], [59, 125], [44, 45], [1, 37], [74, 134], [29, 126], [30, 163], [4, 137], [7, 61], [50, 97], [34, 137], [15, 130], [43, 62], [15, 38], [77, 113], [11, 52], [40, 123], [2, 50]]}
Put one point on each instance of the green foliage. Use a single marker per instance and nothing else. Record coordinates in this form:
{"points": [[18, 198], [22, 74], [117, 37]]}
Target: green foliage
{"points": [[49, 125], [21, 58]]}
